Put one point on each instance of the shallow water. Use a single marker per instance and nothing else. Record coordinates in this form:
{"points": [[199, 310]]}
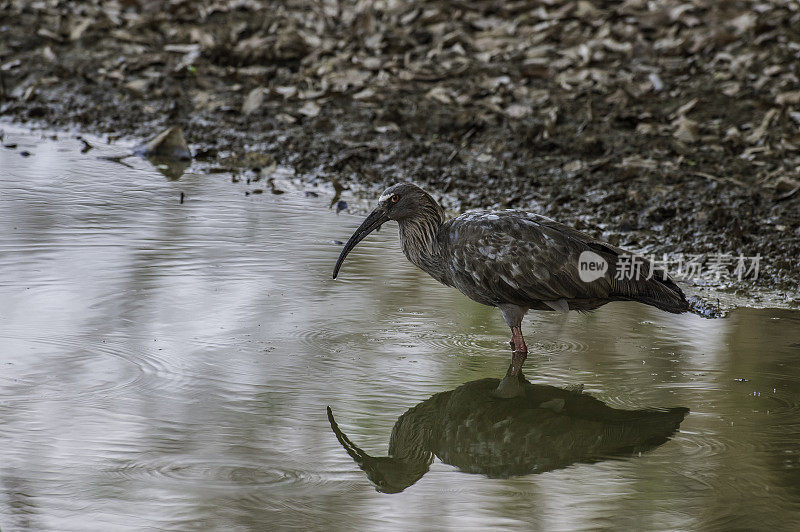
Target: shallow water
{"points": [[169, 365]]}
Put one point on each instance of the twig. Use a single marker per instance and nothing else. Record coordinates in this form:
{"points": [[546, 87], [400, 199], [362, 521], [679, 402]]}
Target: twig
{"points": [[721, 179], [462, 144], [789, 194]]}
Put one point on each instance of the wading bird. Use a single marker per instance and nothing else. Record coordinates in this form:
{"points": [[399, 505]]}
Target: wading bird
{"points": [[542, 429], [516, 261]]}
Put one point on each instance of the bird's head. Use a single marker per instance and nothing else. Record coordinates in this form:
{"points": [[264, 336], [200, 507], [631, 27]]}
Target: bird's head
{"points": [[388, 474], [399, 202]]}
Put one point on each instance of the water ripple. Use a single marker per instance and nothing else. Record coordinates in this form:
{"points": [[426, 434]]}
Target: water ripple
{"points": [[211, 470]]}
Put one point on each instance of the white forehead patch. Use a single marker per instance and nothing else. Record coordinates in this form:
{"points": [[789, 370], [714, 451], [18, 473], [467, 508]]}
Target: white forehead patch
{"points": [[384, 197]]}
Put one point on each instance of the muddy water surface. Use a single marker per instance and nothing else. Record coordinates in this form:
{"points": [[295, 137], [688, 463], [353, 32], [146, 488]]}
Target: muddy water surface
{"points": [[169, 365]]}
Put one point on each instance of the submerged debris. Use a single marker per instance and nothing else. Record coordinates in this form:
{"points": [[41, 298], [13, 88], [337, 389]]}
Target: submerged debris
{"points": [[86, 145], [168, 152], [168, 144]]}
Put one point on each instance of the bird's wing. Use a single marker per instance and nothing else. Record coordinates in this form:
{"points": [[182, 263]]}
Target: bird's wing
{"points": [[523, 258]]}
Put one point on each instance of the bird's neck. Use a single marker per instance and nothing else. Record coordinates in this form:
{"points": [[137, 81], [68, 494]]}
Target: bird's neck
{"points": [[417, 432], [419, 238]]}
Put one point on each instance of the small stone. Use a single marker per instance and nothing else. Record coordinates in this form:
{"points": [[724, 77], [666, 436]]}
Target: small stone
{"points": [[788, 98], [655, 80], [138, 86], [310, 109], [687, 130], [517, 111], [253, 101]]}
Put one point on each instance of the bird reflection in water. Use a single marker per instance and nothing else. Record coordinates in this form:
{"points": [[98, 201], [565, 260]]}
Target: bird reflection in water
{"points": [[541, 429]]}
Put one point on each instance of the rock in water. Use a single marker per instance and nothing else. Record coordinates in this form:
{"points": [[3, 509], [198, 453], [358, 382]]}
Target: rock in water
{"points": [[168, 144]]}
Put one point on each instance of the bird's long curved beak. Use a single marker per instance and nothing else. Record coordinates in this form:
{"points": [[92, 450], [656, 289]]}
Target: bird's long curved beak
{"points": [[352, 449], [375, 219]]}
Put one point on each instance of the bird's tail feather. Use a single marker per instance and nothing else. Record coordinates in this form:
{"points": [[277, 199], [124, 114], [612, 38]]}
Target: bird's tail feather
{"points": [[657, 291]]}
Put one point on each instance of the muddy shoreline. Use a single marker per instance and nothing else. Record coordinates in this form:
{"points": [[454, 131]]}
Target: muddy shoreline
{"points": [[664, 129]]}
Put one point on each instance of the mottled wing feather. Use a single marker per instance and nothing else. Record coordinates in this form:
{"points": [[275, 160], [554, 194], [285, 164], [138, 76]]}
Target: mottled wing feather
{"points": [[512, 257], [524, 258]]}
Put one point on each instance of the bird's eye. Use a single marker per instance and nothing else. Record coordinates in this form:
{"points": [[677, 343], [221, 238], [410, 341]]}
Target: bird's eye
{"points": [[395, 198]]}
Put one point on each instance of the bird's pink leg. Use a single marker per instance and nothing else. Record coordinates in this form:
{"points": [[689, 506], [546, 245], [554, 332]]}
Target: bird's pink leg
{"points": [[519, 351]]}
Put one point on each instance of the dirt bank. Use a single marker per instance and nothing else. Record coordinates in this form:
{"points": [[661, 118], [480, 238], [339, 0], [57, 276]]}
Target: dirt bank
{"points": [[666, 127]]}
